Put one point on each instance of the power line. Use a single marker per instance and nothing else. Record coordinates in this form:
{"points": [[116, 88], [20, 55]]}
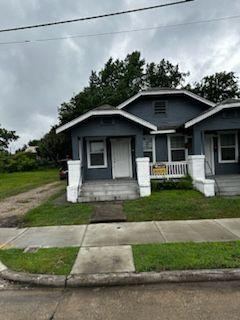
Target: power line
{"points": [[122, 31], [94, 17]]}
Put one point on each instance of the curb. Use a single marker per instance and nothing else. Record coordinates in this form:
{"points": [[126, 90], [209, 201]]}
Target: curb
{"points": [[119, 279]]}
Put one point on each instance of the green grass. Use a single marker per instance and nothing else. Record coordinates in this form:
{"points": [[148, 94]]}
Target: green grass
{"points": [[186, 256], [50, 213], [54, 261], [17, 182], [181, 205]]}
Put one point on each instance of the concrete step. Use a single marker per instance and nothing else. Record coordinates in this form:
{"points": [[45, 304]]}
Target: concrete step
{"points": [[130, 196], [229, 194], [114, 188], [97, 193]]}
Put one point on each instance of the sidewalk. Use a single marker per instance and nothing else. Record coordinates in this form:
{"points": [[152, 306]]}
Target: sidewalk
{"points": [[106, 248]]}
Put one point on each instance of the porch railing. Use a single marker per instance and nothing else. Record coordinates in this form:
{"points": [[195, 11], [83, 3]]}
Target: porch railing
{"points": [[168, 170]]}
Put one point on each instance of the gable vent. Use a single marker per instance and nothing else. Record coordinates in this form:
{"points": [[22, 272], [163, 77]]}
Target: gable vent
{"points": [[160, 107]]}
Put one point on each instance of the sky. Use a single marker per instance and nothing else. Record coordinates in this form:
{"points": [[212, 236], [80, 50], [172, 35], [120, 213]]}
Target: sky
{"points": [[35, 78]]}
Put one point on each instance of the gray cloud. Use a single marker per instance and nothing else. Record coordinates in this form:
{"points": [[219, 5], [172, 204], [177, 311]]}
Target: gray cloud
{"points": [[36, 78]]}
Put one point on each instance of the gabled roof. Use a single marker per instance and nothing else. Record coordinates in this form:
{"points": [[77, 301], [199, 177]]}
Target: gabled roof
{"points": [[227, 104], [106, 111], [165, 91]]}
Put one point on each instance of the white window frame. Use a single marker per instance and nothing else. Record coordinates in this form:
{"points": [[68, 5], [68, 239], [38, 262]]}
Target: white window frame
{"points": [[104, 153], [170, 149], [153, 147], [226, 147]]}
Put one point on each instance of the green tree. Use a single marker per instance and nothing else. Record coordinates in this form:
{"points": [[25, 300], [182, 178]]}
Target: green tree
{"points": [[116, 82], [54, 146], [6, 137], [164, 75], [217, 87]]}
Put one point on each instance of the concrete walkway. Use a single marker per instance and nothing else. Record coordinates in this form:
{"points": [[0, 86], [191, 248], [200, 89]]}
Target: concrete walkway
{"points": [[106, 248]]}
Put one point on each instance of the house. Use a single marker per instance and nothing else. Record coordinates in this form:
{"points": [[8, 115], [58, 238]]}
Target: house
{"points": [[156, 134]]}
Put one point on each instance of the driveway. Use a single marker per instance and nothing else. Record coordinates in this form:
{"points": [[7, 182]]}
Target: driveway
{"points": [[13, 208]]}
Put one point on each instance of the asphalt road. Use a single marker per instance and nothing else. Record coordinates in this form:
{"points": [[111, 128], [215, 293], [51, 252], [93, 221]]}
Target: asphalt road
{"points": [[220, 301]]}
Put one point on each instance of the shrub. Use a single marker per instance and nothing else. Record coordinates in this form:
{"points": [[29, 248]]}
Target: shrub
{"points": [[181, 184], [22, 161]]}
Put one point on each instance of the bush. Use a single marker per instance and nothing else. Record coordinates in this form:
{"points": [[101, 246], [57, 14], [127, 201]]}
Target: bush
{"points": [[182, 184], [22, 161]]}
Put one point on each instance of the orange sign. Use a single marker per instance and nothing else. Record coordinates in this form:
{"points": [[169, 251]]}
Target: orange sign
{"points": [[160, 170]]}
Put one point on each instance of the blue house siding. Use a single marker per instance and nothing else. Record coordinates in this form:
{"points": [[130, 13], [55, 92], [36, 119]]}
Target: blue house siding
{"points": [[179, 109], [161, 148], [117, 127], [224, 120]]}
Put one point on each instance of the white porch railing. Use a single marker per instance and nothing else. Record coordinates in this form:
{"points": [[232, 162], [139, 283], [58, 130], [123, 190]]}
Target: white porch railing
{"points": [[168, 170]]}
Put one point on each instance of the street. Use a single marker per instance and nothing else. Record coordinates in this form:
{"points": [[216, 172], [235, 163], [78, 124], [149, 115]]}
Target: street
{"points": [[208, 301]]}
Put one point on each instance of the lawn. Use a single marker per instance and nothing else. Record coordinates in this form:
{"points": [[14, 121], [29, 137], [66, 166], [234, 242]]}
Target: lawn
{"points": [[17, 182], [184, 256], [54, 261], [54, 212], [181, 205]]}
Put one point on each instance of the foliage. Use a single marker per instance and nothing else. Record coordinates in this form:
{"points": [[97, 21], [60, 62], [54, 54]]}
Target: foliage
{"points": [[164, 75], [54, 147], [181, 184], [6, 137], [186, 256], [54, 261], [21, 161], [118, 81], [217, 87]]}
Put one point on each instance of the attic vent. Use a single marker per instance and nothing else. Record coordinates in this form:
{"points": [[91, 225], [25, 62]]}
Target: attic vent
{"points": [[160, 107]]}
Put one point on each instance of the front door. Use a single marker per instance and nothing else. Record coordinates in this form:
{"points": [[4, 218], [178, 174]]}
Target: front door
{"points": [[121, 158], [209, 155]]}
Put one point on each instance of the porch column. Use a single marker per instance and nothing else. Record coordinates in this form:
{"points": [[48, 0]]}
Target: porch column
{"points": [[197, 142], [143, 176], [74, 180]]}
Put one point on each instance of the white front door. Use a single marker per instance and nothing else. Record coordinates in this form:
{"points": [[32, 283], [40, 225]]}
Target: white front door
{"points": [[121, 158], [209, 154]]}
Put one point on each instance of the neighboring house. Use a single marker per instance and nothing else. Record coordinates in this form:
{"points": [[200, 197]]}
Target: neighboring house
{"points": [[166, 125]]}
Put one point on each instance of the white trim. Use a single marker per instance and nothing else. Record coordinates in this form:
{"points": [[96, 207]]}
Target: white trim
{"points": [[210, 113], [163, 131], [104, 153], [211, 136], [165, 92], [105, 113], [154, 149], [220, 147], [129, 158], [170, 149]]}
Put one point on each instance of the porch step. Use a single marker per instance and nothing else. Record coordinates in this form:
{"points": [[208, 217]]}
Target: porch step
{"points": [[228, 185], [105, 190]]}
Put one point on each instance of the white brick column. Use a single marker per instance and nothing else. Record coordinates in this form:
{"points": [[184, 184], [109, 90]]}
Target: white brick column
{"points": [[196, 167], [143, 176], [74, 180]]}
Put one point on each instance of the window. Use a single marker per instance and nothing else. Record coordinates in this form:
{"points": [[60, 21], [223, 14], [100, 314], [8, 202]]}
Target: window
{"points": [[176, 148], [160, 107], [148, 147], [227, 147], [96, 153]]}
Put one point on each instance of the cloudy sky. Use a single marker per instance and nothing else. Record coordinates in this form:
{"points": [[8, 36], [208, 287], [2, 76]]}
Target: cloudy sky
{"points": [[35, 78]]}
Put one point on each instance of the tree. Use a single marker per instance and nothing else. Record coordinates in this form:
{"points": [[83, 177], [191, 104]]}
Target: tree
{"points": [[217, 87], [118, 81], [6, 137], [54, 146], [164, 75]]}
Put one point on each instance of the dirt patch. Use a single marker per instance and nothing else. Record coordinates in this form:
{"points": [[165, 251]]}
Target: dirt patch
{"points": [[107, 212], [12, 209]]}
